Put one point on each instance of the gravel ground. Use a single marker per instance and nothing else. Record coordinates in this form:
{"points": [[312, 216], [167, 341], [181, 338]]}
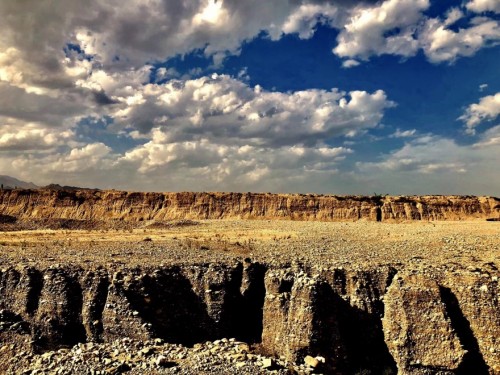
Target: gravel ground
{"points": [[225, 356], [349, 244]]}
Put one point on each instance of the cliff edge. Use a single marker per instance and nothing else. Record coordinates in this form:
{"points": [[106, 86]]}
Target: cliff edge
{"points": [[25, 204]]}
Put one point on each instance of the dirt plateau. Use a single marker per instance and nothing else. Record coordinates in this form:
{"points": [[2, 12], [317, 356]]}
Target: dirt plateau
{"points": [[368, 318], [130, 206]]}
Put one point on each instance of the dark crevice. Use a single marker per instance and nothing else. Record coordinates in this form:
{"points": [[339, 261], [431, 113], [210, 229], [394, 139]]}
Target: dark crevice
{"points": [[59, 323], [230, 307], [97, 286], [340, 280], [285, 286], [473, 361], [253, 291], [35, 286], [351, 338], [167, 301]]}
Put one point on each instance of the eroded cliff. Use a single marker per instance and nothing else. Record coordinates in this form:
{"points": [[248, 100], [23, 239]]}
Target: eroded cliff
{"points": [[128, 206], [379, 320]]}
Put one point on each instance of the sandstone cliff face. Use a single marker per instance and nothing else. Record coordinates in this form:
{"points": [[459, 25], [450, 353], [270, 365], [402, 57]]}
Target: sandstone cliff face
{"points": [[119, 205], [377, 320]]}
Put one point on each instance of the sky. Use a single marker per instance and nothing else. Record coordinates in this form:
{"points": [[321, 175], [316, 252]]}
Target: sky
{"points": [[395, 97]]}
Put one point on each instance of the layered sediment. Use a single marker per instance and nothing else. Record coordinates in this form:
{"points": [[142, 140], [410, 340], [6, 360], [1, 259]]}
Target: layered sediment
{"points": [[128, 206]]}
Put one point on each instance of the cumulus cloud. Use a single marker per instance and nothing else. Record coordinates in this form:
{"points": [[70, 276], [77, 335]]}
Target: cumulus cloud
{"points": [[437, 165], [224, 163], [488, 108], [387, 28], [305, 19], [441, 44], [425, 155], [222, 107], [113, 34], [401, 28], [215, 129], [96, 64], [93, 59], [16, 103], [31, 137], [480, 6]]}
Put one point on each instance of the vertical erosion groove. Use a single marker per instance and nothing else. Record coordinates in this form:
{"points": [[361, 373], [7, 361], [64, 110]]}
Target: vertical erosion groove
{"points": [[96, 285], [166, 300], [200, 303], [250, 314], [35, 286], [58, 320], [473, 362], [351, 338]]}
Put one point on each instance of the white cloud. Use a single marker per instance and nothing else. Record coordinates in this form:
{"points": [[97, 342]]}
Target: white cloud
{"points": [[490, 137], [212, 132], [81, 166], [480, 6], [210, 159], [366, 32], [222, 107], [424, 155], [401, 28], [204, 133], [488, 108], [305, 19], [350, 63], [403, 133], [217, 127], [437, 165], [442, 44], [483, 87], [25, 137]]}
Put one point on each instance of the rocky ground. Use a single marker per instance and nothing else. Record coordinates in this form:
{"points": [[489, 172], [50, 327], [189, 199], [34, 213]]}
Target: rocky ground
{"points": [[350, 244], [306, 252], [224, 356]]}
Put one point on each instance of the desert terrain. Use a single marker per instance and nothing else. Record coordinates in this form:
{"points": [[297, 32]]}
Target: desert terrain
{"points": [[114, 282]]}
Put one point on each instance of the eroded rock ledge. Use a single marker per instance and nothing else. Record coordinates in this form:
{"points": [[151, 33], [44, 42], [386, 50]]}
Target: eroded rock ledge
{"points": [[128, 206], [383, 318]]}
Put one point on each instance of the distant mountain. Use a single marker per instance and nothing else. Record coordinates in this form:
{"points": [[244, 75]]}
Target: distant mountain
{"points": [[66, 188], [11, 182]]}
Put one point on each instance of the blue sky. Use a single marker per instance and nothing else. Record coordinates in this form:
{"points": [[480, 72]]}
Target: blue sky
{"points": [[394, 96]]}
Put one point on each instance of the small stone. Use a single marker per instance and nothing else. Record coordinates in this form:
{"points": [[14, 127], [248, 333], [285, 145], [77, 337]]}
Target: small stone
{"points": [[164, 362], [146, 351], [267, 363], [311, 361]]}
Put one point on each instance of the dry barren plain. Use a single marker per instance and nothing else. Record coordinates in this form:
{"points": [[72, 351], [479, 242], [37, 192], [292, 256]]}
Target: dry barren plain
{"points": [[423, 244]]}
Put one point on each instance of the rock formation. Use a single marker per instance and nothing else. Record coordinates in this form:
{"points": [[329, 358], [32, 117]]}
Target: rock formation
{"points": [[120, 205], [382, 319]]}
